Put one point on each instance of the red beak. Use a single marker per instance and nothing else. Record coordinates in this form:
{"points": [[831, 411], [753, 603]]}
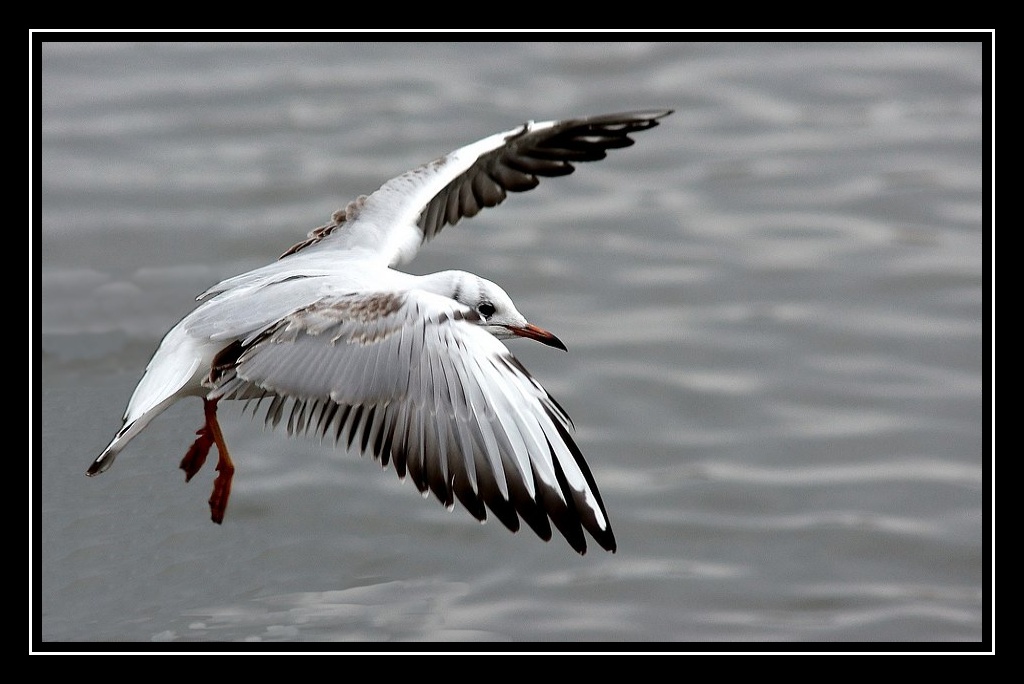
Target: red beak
{"points": [[539, 334]]}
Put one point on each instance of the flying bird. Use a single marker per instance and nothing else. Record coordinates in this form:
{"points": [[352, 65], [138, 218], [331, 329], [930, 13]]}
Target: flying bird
{"points": [[332, 339]]}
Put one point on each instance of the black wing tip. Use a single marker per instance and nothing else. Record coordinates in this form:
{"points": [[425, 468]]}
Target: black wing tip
{"points": [[642, 119], [529, 153], [646, 118], [639, 114], [606, 540]]}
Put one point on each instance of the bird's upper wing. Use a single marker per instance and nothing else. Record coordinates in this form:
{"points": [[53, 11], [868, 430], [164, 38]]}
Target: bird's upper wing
{"points": [[411, 378], [412, 208]]}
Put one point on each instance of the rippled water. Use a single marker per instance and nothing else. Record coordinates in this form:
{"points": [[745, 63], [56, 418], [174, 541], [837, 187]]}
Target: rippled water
{"points": [[772, 302]]}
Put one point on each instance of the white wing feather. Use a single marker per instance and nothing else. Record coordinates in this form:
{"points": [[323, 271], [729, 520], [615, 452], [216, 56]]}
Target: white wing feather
{"points": [[447, 399]]}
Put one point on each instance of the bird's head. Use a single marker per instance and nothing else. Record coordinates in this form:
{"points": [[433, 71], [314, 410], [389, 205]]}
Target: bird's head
{"points": [[494, 309]]}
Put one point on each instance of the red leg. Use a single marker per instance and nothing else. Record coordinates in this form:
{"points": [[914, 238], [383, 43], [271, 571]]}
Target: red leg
{"points": [[194, 459], [225, 468], [196, 455]]}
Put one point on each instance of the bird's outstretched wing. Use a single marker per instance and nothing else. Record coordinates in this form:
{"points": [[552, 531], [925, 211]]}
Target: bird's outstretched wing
{"points": [[412, 208], [412, 379]]}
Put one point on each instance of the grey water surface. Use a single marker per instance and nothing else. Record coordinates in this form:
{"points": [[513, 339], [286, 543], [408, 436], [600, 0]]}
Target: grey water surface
{"points": [[772, 304]]}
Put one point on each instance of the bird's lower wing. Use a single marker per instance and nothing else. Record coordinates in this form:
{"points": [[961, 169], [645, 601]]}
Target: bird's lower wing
{"points": [[412, 379]]}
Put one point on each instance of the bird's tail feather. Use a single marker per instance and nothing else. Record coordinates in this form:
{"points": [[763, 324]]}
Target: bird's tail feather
{"points": [[103, 461], [106, 459], [168, 377], [125, 435]]}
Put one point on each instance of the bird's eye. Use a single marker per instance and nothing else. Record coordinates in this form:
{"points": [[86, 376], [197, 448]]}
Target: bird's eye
{"points": [[485, 309]]}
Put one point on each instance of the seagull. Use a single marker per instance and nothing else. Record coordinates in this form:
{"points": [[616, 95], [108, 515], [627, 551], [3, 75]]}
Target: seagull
{"points": [[333, 340]]}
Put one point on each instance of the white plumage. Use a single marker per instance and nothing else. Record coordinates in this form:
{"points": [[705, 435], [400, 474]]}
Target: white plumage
{"points": [[332, 339]]}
